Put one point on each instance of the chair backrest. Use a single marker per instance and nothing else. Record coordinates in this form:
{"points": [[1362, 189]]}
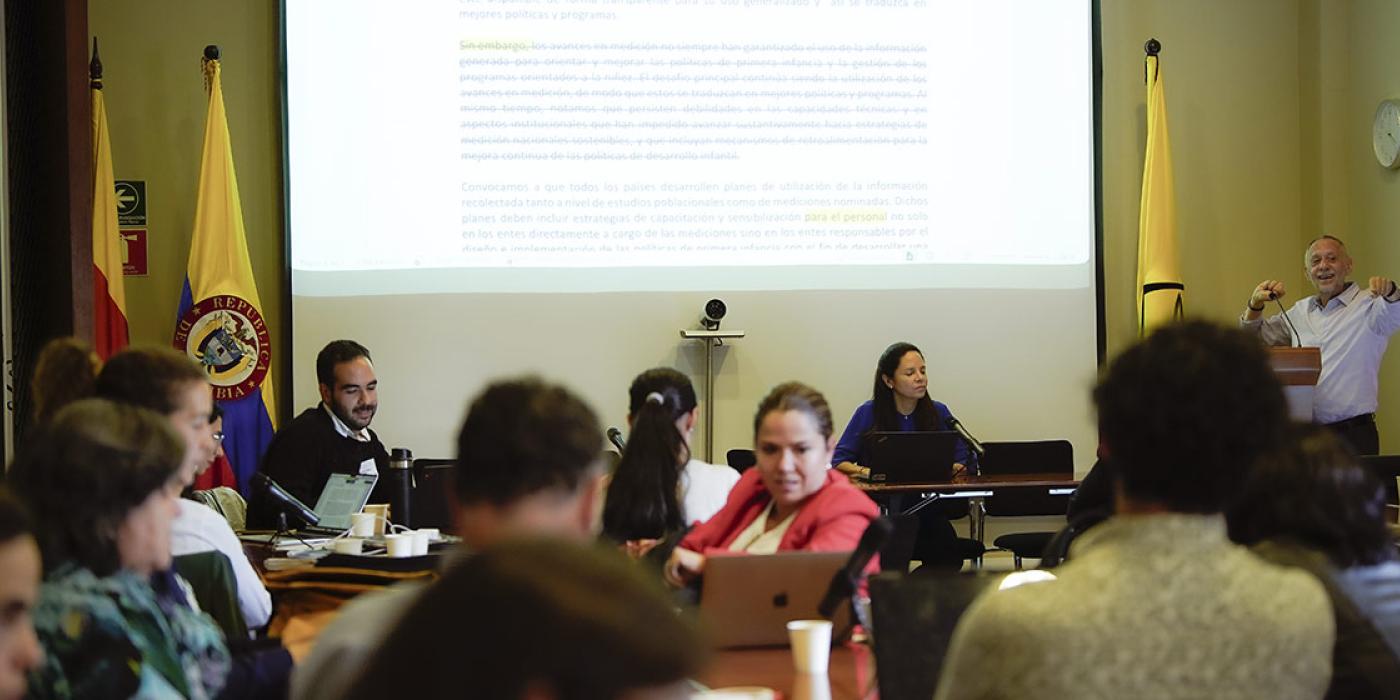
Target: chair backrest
{"points": [[432, 494], [210, 575], [1386, 468], [228, 503], [1044, 456], [912, 622], [741, 459]]}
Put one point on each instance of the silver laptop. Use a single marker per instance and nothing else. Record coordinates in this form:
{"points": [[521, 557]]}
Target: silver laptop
{"points": [[343, 496], [746, 600]]}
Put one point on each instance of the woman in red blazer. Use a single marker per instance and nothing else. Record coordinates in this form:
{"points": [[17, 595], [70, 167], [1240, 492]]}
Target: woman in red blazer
{"points": [[790, 500]]}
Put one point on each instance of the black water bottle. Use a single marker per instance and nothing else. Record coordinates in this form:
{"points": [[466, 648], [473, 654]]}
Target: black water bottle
{"points": [[401, 485]]}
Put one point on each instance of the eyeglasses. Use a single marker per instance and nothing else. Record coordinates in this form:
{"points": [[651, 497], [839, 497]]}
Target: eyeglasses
{"points": [[219, 438]]}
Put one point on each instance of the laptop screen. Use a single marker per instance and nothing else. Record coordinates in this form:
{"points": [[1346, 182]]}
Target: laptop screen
{"points": [[343, 496]]}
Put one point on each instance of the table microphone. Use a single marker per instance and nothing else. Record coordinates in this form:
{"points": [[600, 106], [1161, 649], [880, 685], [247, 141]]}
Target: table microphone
{"points": [[972, 442], [284, 499], [1289, 321], [615, 437], [843, 584]]}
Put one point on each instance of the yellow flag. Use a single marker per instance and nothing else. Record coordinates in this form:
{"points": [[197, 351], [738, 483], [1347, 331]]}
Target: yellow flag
{"points": [[108, 287], [1160, 289], [221, 325]]}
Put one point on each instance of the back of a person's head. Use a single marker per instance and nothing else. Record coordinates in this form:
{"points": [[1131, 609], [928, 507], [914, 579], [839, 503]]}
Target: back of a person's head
{"points": [[1313, 491], [66, 371], [1186, 412], [149, 377], [85, 470], [642, 497], [562, 619], [524, 436]]}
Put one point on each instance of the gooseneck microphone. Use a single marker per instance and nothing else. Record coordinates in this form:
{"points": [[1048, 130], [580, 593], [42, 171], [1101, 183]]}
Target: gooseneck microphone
{"points": [[844, 583], [972, 442], [285, 501], [615, 437], [1289, 321]]}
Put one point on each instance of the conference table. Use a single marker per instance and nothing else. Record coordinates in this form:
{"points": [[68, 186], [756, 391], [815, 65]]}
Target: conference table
{"points": [[850, 676], [907, 498]]}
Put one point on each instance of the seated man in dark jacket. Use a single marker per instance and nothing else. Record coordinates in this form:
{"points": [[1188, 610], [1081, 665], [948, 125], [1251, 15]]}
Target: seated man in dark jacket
{"points": [[332, 437]]}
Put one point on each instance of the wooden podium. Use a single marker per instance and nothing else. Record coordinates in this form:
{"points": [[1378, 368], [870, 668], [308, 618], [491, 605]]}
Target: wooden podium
{"points": [[1297, 370]]}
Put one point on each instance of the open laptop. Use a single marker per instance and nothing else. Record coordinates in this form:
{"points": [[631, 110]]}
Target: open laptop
{"points": [[917, 457], [912, 622], [343, 496], [746, 600]]}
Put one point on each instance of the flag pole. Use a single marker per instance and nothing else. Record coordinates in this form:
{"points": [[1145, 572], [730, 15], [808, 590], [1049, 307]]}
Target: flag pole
{"points": [[95, 68], [1151, 48]]}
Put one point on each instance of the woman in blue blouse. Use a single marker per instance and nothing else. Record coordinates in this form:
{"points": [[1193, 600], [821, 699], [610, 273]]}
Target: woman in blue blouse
{"points": [[900, 404]]}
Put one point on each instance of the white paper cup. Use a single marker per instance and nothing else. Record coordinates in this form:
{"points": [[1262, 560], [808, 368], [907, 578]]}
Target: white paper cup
{"points": [[362, 524], [811, 686], [433, 534], [399, 545], [381, 510], [420, 542], [348, 545], [811, 644]]}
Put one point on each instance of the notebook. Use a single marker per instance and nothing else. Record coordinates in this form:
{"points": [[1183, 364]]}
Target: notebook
{"points": [[746, 600], [916, 457]]}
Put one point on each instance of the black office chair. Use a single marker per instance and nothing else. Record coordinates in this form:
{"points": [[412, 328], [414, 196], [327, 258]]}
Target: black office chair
{"points": [[210, 575], [430, 505], [1045, 456], [740, 459]]}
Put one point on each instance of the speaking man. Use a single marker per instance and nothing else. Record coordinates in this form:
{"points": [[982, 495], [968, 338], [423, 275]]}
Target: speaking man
{"points": [[332, 437], [1352, 327]]}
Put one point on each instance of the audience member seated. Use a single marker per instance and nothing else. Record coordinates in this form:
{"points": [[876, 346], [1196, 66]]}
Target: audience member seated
{"points": [[103, 480], [1315, 507], [537, 619], [900, 403], [219, 474], [332, 437], [528, 463], [63, 374], [658, 489], [791, 500], [19, 589], [167, 382], [1157, 602]]}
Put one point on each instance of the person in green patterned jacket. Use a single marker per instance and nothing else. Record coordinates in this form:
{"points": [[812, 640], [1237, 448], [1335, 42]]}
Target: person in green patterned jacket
{"points": [[102, 480]]}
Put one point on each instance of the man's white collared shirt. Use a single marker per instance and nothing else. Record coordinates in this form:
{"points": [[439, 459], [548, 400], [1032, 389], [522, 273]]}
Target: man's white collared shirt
{"points": [[1352, 331], [361, 435]]}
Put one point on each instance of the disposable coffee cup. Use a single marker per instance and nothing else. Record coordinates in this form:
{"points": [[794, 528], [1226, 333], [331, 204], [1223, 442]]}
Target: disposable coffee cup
{"points": [[348, 545], [381, 511], [420, 542], [362, 524], [399, 545], [811, 644], [433, 534]]}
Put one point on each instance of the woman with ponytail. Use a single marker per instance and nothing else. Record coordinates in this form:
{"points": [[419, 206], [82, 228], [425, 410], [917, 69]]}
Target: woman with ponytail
{"points": [[657, 489]]}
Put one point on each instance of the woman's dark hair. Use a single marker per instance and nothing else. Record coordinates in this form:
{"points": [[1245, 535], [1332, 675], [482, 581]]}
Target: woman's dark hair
{"points": [[795, 396], [1315, 492], [66, 371], [581, 623], [86, 470], [148, 377], [882, 398], [14, 517], [643, 499]]}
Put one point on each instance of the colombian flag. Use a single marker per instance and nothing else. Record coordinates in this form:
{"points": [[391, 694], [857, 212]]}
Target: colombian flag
{"points": [[1160, 289], [108, 289], [220, 321]]}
